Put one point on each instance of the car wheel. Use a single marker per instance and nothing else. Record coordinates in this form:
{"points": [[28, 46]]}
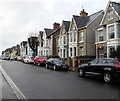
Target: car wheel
{"points": [[38, 63], [34, 63], [107, 77], [47, 66], [81, 72], [27, 61], [54, 67]]}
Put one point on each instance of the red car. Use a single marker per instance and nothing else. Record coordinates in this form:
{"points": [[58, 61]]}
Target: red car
{"points": [[40, 60]]}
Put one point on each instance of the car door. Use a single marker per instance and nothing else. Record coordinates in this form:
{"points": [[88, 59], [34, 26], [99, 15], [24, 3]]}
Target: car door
{"points": [[102, 63], [90, 68], [49, 62]]}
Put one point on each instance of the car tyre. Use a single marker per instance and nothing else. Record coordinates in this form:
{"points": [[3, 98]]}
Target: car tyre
{"points": [[47, 66], [34, 63], [107, 77], [38, 63], [54, 68], [81, 72]]}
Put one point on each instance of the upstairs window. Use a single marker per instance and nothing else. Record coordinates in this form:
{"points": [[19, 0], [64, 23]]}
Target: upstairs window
{"points": [[110, 14], [46, 42], [64, 40], [60, 40], [74, 36], [111, 33], [70, 37], [100, 35], [81, 36]]}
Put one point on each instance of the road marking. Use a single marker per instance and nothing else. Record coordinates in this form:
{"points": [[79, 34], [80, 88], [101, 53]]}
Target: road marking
{"points": [[16, 90]]}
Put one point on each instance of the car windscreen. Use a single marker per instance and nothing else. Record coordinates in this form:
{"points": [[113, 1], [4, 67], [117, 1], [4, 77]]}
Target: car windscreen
{"points": [[58, 61], [43, 57]]}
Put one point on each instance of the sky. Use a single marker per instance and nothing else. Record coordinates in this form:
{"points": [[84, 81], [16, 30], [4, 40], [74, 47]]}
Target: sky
{"points": [[21, 18]]}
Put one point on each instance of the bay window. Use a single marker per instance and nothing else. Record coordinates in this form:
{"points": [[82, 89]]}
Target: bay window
{"points": [[100, 35], [81, 36], [111, 32]]}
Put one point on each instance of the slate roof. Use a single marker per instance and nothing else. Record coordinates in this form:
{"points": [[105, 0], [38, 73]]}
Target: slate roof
{"points": [[48, 31], [116, 6], [67, 25], [85, 21]]}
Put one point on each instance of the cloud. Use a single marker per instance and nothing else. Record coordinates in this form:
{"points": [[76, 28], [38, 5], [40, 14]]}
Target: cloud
{"points": [[19, 18]]}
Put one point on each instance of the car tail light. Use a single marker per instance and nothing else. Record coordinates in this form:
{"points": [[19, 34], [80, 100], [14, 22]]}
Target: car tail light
{"points": [[117, 67]]}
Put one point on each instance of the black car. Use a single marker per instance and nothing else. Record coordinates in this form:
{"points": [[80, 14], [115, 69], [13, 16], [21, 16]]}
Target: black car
{"points": [[56, 64], [105, 67]]}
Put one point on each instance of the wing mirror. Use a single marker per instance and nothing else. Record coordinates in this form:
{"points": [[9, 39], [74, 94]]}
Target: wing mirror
{"points": [[89, 63]]}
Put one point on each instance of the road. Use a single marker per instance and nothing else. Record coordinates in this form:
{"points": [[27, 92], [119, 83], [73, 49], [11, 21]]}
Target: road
{"points": [[40, 83]]}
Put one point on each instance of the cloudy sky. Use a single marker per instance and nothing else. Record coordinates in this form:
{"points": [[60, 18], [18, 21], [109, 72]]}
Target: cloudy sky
{"points": [[20, 18]]}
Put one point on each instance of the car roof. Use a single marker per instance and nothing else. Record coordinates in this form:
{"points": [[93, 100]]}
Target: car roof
{"points": [[41, 56], [106, 58]]}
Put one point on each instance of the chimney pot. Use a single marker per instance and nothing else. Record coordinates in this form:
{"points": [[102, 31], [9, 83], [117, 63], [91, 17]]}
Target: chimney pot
{"points": [[83, 13], [56, 25]]}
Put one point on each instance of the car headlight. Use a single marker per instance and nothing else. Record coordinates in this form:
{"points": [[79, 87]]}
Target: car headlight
{"points": [[58, 64]]}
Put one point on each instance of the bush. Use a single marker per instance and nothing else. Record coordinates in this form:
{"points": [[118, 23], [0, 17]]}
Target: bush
{"points": [[52, 56], [115, 53]]}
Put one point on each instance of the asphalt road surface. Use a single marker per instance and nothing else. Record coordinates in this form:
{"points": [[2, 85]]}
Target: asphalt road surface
{"points": [[40, 83]]}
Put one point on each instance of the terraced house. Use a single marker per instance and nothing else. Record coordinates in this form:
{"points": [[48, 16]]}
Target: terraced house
{"points": [[46, 40], [63, 40], [108, 33], [82, 33], [23, 50]]}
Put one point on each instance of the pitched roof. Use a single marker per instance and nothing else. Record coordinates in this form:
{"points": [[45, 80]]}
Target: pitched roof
{"points": [[48, 31], [67, 24], [85, 21], [116, 6]]}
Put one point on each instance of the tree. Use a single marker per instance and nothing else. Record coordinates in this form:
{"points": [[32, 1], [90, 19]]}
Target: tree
{"points": [[115, 53], [33, 43]]}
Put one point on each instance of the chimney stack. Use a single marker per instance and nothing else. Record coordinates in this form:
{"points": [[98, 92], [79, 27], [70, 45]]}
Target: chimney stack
{"points": [[83, 13], [56, 26]]}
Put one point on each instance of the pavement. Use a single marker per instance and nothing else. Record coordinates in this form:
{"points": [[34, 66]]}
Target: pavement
{"points": [[6, 92]]}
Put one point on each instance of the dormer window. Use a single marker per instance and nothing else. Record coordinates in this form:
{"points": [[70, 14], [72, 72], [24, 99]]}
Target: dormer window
{"points": [[110, 14]]}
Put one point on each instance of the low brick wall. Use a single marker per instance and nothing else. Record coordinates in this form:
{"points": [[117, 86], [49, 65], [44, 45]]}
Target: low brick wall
{"points": [[74, 62]]}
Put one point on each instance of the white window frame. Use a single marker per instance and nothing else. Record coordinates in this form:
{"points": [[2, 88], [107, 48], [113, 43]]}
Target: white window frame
{"points": [[71, 37], [64, 40], [75, 36], [81, 36], [110, 15], [100, 35], [115, 31], [110, 26]]}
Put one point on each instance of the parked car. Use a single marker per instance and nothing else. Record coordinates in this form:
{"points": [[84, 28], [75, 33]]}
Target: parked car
{"points": [[56, 64], [11, 58], [19, 58], [105, 67], [7, 58], [28, 59], [40, 60]]}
